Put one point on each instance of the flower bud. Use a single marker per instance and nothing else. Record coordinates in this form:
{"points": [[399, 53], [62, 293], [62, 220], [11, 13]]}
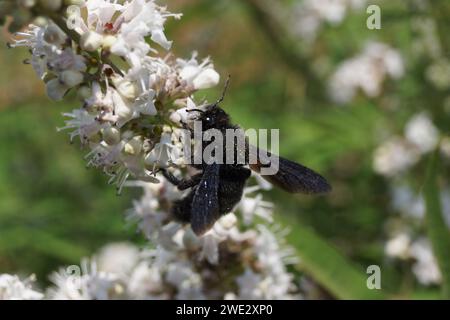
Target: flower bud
{"points": [[71, 78], [54, 35], [190, 240], [228, 221], [84, 93], [56, 90], [111, 136], [134, 146], [108, 41], [90, 41], [95, 138]]}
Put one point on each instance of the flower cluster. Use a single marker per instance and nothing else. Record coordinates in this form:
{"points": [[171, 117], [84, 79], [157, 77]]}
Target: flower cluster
{"points": [[127, 117], [134, 103], [231, 261], [251, 269], [12, 288], [309, 15], [399, 153], [366, 72], [256, 253], [419, 253]]}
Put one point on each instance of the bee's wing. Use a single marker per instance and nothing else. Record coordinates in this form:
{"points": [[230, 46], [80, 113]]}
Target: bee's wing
{"points": [[205, 205], [291, 176]]}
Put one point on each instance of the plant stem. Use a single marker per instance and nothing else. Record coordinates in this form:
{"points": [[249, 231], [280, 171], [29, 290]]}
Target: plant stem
{"points": [[437, 228], [327, 266]]}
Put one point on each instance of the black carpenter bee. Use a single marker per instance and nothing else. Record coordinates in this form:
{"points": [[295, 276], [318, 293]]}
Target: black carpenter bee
{"points": [[217, 189]]}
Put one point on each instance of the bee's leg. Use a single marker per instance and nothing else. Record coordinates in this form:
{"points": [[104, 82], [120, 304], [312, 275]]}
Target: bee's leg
{"points": [[170, 177], [189, 183], [181, 209], [182, 184]]}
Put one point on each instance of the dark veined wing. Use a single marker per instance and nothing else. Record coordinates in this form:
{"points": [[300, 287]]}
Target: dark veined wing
{"points": [[205, 205], [291, 176]]}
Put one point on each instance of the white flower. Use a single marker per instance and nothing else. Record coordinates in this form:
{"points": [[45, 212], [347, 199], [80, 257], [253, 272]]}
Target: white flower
{"points": [[84, 124], [85, 283], [394, 156], [249, 284], [425, 268], [366, 71], [12, 288], [399, 246], [56, 90], [118, 258], [199, 76], [307, 16], [422, 133], [438, 74], [408, 203], [146, 282], [91, 41], [254, 206], [162, 154]]}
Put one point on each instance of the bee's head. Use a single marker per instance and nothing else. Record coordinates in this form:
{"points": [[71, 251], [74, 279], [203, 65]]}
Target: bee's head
{"points": [[213, 117]]}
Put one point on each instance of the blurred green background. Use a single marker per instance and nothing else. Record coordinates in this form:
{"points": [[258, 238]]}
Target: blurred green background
{"points": [[53, 210]]}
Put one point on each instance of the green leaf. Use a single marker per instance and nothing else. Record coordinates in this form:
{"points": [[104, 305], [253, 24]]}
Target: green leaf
{"points": [[327, 266], [437, 228]]}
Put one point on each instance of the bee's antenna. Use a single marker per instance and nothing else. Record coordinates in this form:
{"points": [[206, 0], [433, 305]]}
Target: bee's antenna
{"points": [[227, 83], [195, 110]]}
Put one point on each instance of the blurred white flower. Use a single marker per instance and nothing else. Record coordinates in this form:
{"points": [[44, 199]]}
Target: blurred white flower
{"points": [[85, 283], [367, 72], [119, 258], [199, 76], [407, 202], [307, 16], [12, 288], [438, 73], [399, 246], [425, 268], [422, 133], [394, 156]]}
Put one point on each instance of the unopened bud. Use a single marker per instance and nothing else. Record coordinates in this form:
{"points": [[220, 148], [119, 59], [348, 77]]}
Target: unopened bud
{"points": [[108, 41], [134, 146], [54, 35], [71, 78], [111, 136], [56, 90]]}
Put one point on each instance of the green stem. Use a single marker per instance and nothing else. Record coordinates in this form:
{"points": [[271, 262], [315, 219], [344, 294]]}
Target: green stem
{"points": [[438, 232]]}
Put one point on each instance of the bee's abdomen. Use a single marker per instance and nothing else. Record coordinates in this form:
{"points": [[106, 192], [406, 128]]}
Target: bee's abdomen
{"points": [[231, 187]]}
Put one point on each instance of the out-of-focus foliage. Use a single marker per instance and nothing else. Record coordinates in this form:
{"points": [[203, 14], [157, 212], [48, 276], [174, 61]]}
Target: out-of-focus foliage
{"points": [[53, 210]]}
